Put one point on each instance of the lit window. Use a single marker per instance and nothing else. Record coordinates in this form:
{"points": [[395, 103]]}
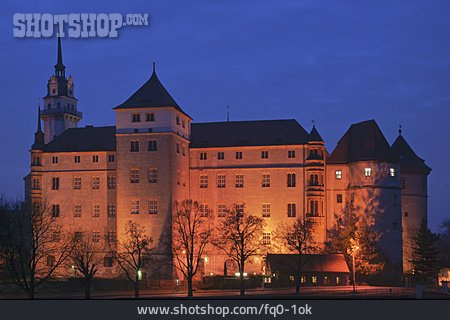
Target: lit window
{"points": [[314, 279], [134, 176], [303, 279], [153, 207], [239, 181], [220, 155], [204, 210], [339, 198], [134, 146], [112, 210], [368, 172], [204, 181], [291, 153], [266, 238], [111, 182], [291, 279], [264, 154], [152, 175], [392, 172], [203, 156], [153, 145], [135, 117], [77, 183], [221, 181], [265, 210], [265, 183], [238, 155], [338, 280], [338, 174], [55, 183], [135, 207], [221, 210], [292, 210], [77, 211], [55, 211], [95, 182], [96, 211], [291, 180]]}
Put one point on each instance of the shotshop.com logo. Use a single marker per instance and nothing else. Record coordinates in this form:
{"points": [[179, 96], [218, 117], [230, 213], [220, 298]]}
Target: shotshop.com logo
{"points": [[80, 25]]}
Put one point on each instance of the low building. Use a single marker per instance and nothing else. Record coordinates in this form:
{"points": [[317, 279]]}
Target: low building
{"points": [[317, 270]]}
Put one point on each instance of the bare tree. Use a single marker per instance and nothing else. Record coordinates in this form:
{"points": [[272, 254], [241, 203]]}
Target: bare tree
{"points": [[240, 238], [86, 257], [298, 239], [32, 244], [191, 233], [132, 253]]}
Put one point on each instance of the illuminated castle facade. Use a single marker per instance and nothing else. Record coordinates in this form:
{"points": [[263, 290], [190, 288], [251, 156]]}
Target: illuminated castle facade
{"points": [[95, 179]]}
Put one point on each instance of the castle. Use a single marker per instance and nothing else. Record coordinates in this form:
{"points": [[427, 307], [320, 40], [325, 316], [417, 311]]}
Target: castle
{"points": [[95, 179]]}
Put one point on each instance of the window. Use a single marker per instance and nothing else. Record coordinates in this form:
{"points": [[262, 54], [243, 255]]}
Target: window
{"points": [[314, 208], [55, 160], [291, 153], [134, 206], [152, 175], [339, 198], [149, 117], [178, 177], [56, 236], [368, 172], [183, 150], [203, 156], [95, 182], [134, 176], [220, 181], [314, 279], [338, 174], [78, 235], [55, 183], [55, 211], [178, 120], [95, 236], [392, 172], [112, 210], [221, 210], [220, 155], [265, 183], [153, 207], [303, 279], [291, 210], [134, 146], [204, 210], [183, 123], [406, 213], [264, 154], [265, 210], [77, 159], [291, 180], [36, 161], [111, 182], [50, 261], [135, 117], [95, 158], [178, 148], [338, 280], [152, 145], [203, 181], [36, 185], [76, 183], [239, 155], [96, 211], [108, 262], [111, 158], [239, 181], [111, 236], [77, 211], [266, 238], [240, 209]]}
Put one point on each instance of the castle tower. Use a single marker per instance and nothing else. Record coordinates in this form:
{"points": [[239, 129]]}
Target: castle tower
{"points": [[413, 178], [60, 105], [315, 184], [152, 144]]}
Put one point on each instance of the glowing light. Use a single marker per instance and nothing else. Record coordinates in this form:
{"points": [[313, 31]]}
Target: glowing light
{"points": [[238, 274], [206, 259], [139, 275], [211, 274], [184, 251]]}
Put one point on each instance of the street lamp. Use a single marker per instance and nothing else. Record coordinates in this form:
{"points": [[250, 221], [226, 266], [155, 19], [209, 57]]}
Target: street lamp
{"points": [[353, 249]]}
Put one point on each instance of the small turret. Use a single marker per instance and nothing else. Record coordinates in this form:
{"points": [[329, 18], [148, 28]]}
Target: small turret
{"points": [[39, 134]]}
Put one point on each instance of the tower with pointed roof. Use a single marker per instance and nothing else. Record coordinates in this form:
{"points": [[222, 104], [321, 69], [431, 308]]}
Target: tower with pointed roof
{"points": [[152, 145], [414, 187], [60, 105]]}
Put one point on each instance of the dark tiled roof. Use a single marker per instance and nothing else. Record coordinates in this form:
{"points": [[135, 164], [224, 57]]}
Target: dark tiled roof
{"points": [[151, 95], [84, 139], [314, 135], [247, 133], [362, 141], [313, 263], [407, 157]]}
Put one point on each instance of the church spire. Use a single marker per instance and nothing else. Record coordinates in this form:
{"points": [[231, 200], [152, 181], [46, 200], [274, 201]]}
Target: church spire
{"points": [[38, 135], [60, 69]]}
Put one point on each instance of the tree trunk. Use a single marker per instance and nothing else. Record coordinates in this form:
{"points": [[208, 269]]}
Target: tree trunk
{"points": [[189, 279], [136, 286], [241, 279], [87, 288], [297, 284]]}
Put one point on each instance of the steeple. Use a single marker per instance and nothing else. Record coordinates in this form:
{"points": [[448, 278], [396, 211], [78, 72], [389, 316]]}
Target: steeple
{"points": [[314, 135], [38, 135], [60, 69]]}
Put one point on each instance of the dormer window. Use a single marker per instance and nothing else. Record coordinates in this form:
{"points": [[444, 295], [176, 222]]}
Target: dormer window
{"points": [[150, 117], [135, 117]]}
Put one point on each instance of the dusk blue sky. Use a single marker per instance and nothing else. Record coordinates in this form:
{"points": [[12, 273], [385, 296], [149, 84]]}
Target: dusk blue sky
{"points": [[337, 62]]}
